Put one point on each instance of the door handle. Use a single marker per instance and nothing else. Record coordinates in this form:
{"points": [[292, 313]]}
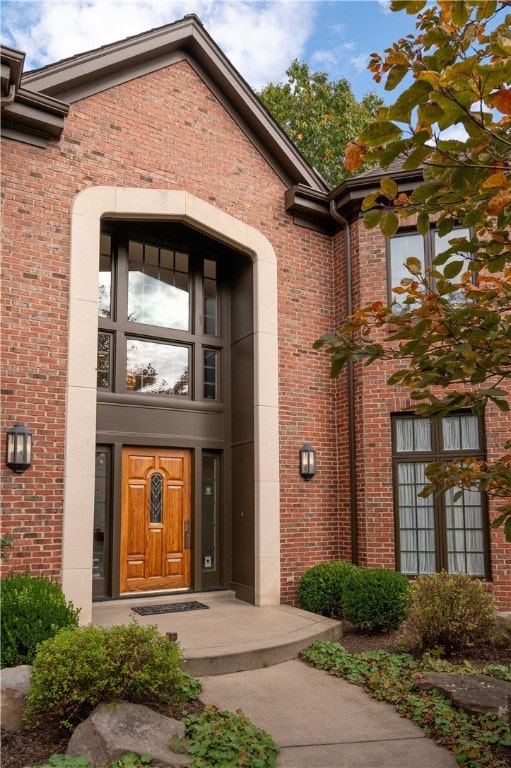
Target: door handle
{"points": [[187, 534]]}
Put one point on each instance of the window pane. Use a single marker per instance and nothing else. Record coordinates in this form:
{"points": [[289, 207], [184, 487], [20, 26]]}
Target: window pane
{"points": [[465, 538], [100, 515], [442, 244], [210, 374], [157, 368], [105, 276], [104, 363], [158, 292], [156, 499], [209, 510], [402, 248], [460, 433], [413, 435], [210, 298], [416, 521]]}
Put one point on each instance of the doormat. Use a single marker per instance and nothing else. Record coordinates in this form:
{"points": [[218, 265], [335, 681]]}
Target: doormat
{"points": [[148, 610]]}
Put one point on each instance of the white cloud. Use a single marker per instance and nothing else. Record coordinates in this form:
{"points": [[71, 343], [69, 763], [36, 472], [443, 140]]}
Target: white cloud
{"points": [[384, 6], [324, 59], [260, 38], [360, 62]]}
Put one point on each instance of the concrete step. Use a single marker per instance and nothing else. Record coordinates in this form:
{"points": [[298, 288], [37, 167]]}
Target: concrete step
{"points": [[231, 636]]}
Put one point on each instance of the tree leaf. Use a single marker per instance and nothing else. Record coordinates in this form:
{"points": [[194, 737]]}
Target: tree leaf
{"points": [[414, 265], [388, 186], [380, 133], [423, 223], [370, 200], [372, 218], [395, 76], [453, 268], [389, 223]]}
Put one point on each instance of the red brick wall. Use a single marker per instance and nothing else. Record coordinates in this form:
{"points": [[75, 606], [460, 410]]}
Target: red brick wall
{"points": [[374, 403], [165, 130]]}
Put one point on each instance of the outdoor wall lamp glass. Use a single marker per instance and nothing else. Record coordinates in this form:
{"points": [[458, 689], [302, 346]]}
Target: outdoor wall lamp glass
{"points": [[307, 461], [18, 455]]}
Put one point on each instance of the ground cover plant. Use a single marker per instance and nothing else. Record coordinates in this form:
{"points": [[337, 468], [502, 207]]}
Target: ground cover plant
{"points": [[33, 609], [482, 741], [220, 739]]}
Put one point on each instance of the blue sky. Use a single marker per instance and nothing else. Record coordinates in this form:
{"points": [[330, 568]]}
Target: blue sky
{"points": [[261, 37]]}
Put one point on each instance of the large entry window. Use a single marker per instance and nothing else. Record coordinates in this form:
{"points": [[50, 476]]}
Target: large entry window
{"points": [[160, 330], [445, 531]]}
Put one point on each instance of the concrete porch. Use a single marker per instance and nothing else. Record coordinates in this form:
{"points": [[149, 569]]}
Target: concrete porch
{"points": [[231, 635]]}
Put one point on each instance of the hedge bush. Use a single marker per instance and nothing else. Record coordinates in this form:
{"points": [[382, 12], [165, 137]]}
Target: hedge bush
{"points": [[451, 612], [320, 588], [33, 610], [80, 668], [375, 599]]}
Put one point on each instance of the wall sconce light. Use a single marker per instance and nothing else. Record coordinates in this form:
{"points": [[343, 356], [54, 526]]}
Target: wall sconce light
{"points": [[307, 461], [18, 455]]}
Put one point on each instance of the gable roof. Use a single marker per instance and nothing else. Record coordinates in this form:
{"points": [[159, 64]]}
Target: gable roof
{"points": [[60, 84]]}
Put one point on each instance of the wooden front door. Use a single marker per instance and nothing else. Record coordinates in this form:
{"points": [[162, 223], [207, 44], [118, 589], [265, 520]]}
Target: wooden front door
{"points": [[155, 519]]}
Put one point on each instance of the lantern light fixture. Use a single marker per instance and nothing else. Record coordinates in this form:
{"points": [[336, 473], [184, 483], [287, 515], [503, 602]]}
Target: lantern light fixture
{"points": [[18, 454], [307, 461]]}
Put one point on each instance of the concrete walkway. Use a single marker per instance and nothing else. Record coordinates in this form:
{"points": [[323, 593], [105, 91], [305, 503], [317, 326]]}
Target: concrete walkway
{"points": [[320, 721], [246, 659]]}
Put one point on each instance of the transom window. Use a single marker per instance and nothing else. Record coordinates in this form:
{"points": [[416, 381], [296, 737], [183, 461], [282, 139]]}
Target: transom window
{"points": [[160, 330], [443, 531]]}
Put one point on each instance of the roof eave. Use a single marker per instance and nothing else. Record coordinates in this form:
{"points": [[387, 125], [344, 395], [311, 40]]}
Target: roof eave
{"points": [[349, 195]]}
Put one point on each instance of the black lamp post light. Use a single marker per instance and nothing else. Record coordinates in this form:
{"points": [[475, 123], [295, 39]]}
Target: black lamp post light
{"points": [[18, 454], [307, 461]]}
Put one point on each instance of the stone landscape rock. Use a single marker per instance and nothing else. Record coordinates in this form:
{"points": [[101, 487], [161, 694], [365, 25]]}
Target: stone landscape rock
{"points": [[14, 689], [114, 729], [475, 694]]}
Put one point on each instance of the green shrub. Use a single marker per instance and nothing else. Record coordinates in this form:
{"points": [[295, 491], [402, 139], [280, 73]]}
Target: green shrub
{"points": [[449, 611], [226, 740], [33, 609], [375, 599], [80, 668], [320, 588]]}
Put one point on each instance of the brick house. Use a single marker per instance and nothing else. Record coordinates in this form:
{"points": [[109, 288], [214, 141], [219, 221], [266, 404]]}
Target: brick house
{"points": [[168, 408]]}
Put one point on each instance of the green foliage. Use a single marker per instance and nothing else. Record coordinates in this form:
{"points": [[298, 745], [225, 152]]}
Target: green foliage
{"points": [[86, 666], [320, 588], [66, 761], [473, 739], [129, 760], [449, 611], [33, 609], [319, 116], [375, 599], [226, 740], [448, 354]]}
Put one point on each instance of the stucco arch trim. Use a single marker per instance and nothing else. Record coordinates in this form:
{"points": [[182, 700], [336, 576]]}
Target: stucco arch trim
{"points": [[89, 207]]}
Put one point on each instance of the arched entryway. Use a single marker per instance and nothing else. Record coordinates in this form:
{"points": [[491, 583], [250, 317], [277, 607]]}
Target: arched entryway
{"points": [[258, 578]]}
